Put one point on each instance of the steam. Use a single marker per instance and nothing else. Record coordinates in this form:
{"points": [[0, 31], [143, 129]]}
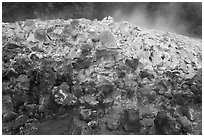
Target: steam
{"points": [[179, 17], [164, 17]]}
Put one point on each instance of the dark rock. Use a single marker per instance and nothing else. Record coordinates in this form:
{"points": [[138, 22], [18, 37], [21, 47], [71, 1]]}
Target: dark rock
{"points": [[12, 46], [9, 74], [130, 120], [180, 99], [194, 89], [144, 74], [23, 78], [20, 121], [55, 127], [77, 90], [89, 100], [44, 103], [34, 90], [9, 116], [7, 104], [112, 124], [133, 63], [121, 74], [47, 80], [90, 87], [6, 88], [22, 65], [34, 57], [188, 112], [151, 131], [37, 49], [106, 89], [108, 102], [151, 96], [29, 129], [7, 55], [147, 122], [185, 123], [81, 63], [24, 82], [85, 114], [86, 49], [164, 125], [168, 95], [105, 54]]}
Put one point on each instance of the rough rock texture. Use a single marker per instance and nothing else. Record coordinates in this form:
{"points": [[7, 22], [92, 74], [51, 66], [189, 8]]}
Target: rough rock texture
{"points": [[99, 77]]}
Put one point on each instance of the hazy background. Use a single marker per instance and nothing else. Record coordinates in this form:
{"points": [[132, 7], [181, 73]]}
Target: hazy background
{"points": [[183, 18]]}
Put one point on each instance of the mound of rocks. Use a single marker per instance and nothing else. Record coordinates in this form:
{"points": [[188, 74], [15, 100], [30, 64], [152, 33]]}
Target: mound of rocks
{"points": [[87, 77]]}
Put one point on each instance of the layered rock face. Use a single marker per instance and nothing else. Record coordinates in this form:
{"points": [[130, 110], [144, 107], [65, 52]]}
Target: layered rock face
{"points": [[80, 76]]}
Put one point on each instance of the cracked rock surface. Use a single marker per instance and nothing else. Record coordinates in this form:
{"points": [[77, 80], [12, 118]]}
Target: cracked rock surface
{"points": [[90, 77]]}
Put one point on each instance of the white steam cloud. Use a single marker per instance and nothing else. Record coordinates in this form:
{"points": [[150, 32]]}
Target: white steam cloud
{"points": [[164, 18]]}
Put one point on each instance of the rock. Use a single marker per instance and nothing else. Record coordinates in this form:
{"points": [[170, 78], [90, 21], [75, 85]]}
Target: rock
{"points": [[45, 103], [90, 87], [9, 116], [7, 104], [185, 123], [131, 120], [133, 63], [108, 102], [31, 109], [81, 63], [77, 90], [93, 124], [100, 72], [105, 54], [191, 114], [40, 35], [193, 88], [85, 114], [24, 82], [112, 124], [9, 74], [86, 49], [107, 39], [106, 89], [147, 122], [74, 23], [12, 46], [63, 96], [94, 36], [34, 57], [165, 126], [89, 100], [22, 78], [59, 126], [20, 121]]}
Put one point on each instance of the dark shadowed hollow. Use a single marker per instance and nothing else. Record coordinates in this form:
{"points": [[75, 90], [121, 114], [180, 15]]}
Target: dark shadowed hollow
{"points": [[184, 18]]}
